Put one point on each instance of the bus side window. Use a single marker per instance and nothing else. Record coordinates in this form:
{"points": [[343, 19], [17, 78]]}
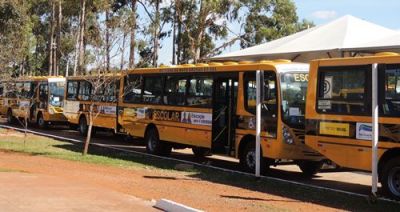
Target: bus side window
{"points": [[343, 90], [391, 104], [269, 107], [72, 90], [175, 90], [153, 89], [200, 91], [43, 92], [133, 88], [269, 102], [84, 90], [111, 92]]}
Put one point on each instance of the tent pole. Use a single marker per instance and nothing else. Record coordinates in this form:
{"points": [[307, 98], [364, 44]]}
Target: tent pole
{"points": [[259, 86], [375, 129]]}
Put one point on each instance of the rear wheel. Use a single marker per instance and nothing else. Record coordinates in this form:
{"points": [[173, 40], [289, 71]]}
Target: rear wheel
{"points": [[154, 145], [391, 178], [41, 122], [248, 159], [83, 127], [201, 152], [10, 117], [310, 168]]}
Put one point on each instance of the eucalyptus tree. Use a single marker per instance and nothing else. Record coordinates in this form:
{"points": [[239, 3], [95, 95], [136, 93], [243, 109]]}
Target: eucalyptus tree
{"points": [[268, 20]]}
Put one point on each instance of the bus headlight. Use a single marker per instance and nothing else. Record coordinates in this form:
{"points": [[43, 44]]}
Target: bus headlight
{"points": [[51, 111], [287, 137]]}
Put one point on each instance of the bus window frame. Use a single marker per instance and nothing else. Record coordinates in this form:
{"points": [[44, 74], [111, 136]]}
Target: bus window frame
{"points": [[186, 76], [141, 87], [76, 93], [381, 87], [90, 96], [188, 95], [246, 81], [163, 82], [367, 88]]}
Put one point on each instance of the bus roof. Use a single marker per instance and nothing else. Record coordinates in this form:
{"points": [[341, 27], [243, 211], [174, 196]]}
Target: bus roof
{"points": [[38, 78], [383, 57], [109, 75], [278, 65]]}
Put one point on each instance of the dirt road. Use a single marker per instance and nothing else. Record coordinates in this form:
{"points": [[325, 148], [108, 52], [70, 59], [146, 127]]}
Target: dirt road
{"points": [[83, 180]]}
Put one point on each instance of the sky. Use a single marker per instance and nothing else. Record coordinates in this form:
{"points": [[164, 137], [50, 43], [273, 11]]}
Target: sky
{"points": [[382, 12]]}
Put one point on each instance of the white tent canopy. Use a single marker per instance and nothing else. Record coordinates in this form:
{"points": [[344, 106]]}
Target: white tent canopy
{"points": [[388, 43], [333, 39]]}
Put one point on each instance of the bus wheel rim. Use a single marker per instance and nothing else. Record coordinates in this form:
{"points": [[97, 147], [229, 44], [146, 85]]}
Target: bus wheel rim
{"points": [[152, 143], [394, 181], [251, 159]]}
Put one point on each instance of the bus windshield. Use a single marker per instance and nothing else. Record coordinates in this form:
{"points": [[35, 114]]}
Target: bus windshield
{"points": [[56, 93], [294, 88]]}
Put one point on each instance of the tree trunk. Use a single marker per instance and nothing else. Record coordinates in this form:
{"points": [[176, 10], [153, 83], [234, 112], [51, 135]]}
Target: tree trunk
{"points": [[156, 34], [52, 29], [59, 27], [81, 59], [76, 53], [89, 132], [133, 35], [174, 38], [123, 51], [108, 45], [67, 68]]}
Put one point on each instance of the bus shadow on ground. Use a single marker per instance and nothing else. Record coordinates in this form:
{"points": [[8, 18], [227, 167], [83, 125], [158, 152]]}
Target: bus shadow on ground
{"points": [[296, 193]]}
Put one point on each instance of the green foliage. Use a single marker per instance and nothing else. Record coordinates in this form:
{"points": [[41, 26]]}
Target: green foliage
{"points": [[269, 20], [196, 25]]}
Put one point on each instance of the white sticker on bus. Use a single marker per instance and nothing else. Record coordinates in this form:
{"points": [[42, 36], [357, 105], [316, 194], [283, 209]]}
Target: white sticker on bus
{"points": [[24, 104], [196, 118], [141, 113], [71, 107], [109, 110], [324, 104], [328, 87], [364, 131]]}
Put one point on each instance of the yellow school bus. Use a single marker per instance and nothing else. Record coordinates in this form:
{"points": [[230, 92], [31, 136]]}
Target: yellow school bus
{"points": [[99, 91], [35, 99], [211, 109], [338, 114]]}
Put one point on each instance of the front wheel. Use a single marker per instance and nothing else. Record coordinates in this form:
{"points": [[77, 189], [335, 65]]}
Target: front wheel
{"points": [[310, 168], [201, 152], [41, 122], [391, 178], [83, 127], [154, 145], [248, 159]]}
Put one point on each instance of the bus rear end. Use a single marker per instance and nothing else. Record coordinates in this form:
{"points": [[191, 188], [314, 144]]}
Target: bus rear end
{"points": [[338, 114]]}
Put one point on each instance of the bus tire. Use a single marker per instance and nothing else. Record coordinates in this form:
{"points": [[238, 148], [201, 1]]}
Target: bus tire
{"points": [[391, 178], [83, 127], [41, 122], [310, 168], [248, 159], [10, 117], [154, 145], [201, 152]]}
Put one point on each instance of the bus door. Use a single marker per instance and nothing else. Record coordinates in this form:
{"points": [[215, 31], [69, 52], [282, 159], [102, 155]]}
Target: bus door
{"points": [[224, 110]]}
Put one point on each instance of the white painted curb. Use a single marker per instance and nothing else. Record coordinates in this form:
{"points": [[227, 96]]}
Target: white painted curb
{"points": [[171, 206]]}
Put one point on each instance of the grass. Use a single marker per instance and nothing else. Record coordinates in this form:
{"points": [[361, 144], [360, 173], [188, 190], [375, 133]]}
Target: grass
{"points": [[9, 170], [37, 145]]}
